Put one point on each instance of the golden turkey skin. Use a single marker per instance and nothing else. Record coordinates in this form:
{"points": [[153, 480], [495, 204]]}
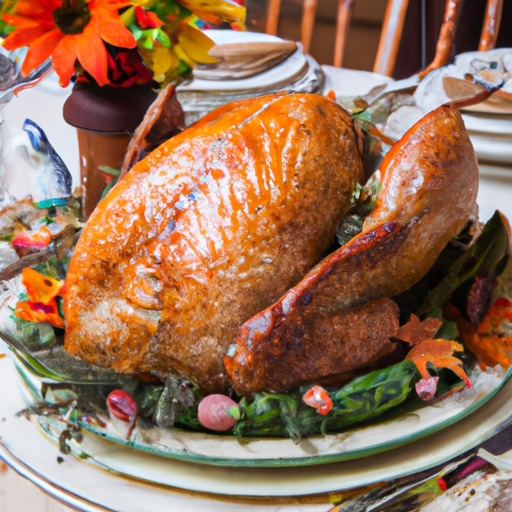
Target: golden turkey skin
{"points": [[210, 229]]}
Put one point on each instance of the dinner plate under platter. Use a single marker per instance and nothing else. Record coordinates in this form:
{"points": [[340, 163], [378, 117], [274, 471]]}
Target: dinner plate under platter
{"points": [[21, 440]]}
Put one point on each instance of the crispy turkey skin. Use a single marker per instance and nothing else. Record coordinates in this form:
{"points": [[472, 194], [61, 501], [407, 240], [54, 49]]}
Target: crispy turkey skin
{"points": [[330, 323], [211, 228]]}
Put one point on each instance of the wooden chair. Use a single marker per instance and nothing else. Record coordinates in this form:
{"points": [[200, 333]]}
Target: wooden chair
{"points": [[392, 30]]}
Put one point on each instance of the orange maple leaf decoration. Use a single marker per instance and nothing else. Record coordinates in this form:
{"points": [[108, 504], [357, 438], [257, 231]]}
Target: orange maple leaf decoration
{"points": [[440, 354], [36, 27], [437, 352], [416, 331]]}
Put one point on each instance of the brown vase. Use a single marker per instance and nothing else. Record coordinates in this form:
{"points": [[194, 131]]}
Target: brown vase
{"points": [[105, 118]]}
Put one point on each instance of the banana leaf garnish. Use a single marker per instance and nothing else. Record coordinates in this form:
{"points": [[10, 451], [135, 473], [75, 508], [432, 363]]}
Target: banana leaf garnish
{"points": [[487, 256]]}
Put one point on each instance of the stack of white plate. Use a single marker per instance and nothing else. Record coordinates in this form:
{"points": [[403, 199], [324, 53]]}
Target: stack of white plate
{"points": [[299, 72], [491, 134]]}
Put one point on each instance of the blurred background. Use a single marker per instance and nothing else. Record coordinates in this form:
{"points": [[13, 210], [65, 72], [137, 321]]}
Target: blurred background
{"points": [[365, 28]]}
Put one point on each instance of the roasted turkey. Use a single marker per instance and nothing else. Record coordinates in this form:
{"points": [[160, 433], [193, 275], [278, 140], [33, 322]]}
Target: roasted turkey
{"points": [[211, 258], [340, 313], [211, 228]]}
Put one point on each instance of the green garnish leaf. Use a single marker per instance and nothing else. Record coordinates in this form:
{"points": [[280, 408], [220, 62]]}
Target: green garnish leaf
{"points": [[486, 255], [234, 412]]}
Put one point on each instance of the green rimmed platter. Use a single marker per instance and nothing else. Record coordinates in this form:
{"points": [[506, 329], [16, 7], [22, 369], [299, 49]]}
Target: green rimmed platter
{"points": [[406, 425]]}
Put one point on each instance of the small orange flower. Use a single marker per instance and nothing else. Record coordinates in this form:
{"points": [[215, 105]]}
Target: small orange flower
{"points": [[68, 30], [488, 340], [38, 312], [440, 354], [318, 398]]}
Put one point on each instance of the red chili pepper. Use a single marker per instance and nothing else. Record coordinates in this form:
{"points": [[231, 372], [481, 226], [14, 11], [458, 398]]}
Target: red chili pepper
{"points": [[121, 405], [318, 398]]}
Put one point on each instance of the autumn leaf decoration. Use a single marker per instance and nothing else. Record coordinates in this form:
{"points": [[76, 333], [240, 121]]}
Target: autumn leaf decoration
{"points": [[490, 340], [437, 352]]}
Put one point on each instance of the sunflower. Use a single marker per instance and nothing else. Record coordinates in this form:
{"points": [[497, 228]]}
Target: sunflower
{"points": [[68, 30]]}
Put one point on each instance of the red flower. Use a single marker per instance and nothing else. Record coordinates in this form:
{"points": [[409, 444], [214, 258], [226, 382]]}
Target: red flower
{"points": [[147, 19], [318, 398], [126, 67], [68, 30]]}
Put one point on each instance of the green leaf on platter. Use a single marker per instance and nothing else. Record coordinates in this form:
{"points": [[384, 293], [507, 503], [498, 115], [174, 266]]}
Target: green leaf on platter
{"points": [[361, 400], [35, 335], [371, 395], [364, 199], [234, 412], [147, 399], [486, 255], [178, 403], [448, 330]]}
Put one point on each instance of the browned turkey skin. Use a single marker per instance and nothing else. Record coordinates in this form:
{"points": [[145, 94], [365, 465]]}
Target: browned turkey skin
{"points": [[211, 228], [213, 239], [330, 323]]}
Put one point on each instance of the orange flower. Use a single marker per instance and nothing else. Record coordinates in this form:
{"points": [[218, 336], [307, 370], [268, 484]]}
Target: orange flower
{"points": [[38, 312], [488, 341], [439, 353], [68, 30]]}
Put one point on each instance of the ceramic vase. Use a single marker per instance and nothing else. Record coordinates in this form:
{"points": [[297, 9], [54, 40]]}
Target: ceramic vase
{"points": [[105, 117]]}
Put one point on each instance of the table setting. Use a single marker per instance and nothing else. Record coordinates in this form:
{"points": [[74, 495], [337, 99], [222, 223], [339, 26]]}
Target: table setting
{"points": [[232, 278]]}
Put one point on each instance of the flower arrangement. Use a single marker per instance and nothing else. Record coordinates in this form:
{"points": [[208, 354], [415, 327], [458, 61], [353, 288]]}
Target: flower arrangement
{"points": [[116, 42]]}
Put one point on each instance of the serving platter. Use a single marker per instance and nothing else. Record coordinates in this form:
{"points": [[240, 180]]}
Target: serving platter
{"points": [[407, 424]]}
